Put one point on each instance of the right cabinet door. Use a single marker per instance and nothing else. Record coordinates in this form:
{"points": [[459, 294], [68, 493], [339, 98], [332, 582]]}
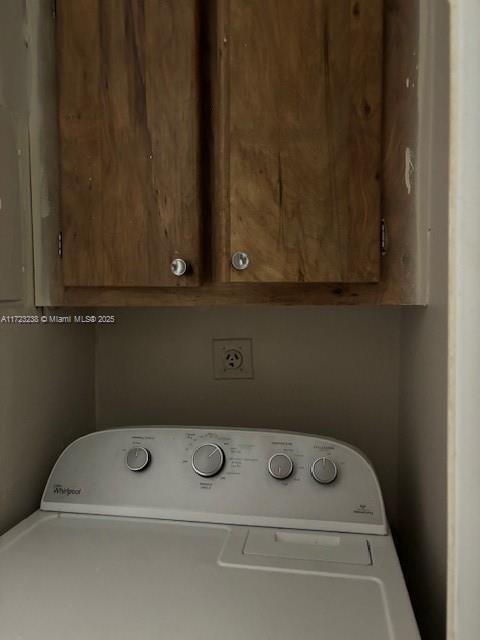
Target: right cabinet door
{"points": [[300, 139]]}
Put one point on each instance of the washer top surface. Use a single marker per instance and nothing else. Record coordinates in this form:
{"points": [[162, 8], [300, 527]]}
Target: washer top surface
{"points": [[70, 577], [175, 533]]}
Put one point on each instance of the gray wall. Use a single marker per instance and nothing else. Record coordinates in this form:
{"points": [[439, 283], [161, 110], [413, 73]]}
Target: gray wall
{"points": [[46, 400], [326, 370], [422, 480], [46, 372]]}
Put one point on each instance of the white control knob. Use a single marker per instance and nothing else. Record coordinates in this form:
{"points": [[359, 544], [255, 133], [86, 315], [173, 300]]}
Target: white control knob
{"points": [[324, 470], [208, 460], [280, 466], [138, 458]]}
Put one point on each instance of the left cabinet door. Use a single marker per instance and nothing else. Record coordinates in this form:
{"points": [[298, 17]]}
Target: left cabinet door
{"points": [[128, 98]]}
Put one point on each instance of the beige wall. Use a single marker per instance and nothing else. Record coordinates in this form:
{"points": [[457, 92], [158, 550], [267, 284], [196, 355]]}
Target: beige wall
{"points": [[46, 372], [326, 370], [422, 479], [464, 382]]}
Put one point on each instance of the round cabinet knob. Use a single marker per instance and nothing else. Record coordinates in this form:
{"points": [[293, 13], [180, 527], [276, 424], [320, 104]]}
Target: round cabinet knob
{"points": [[208, 460], [324, 470], [138, 458], [240, 260], [280, 466], [178, 267]]}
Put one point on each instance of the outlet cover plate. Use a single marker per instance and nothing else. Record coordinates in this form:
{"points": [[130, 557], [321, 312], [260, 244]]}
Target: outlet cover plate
{"points": [[232, 359]]}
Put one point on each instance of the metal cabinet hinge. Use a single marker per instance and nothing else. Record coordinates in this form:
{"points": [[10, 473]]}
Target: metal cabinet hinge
{"points": [[60, 244], [383, 237]]}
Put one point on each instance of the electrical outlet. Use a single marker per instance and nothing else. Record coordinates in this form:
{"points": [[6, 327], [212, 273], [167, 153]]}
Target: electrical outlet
{"points": [[232, 358]]}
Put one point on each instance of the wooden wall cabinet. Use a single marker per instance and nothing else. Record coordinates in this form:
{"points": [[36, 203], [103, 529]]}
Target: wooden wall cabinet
{"points": [[196, 130], [302, 96], [128, 89]]}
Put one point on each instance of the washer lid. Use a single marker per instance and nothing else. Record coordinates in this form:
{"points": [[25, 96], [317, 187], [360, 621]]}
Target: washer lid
{"points": [[75, 577]]}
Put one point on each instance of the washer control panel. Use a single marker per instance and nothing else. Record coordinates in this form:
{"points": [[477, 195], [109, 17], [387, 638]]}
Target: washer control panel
{"points": [[228, 476]]}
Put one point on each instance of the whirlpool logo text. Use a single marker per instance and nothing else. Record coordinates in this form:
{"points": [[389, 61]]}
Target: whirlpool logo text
{"points": [[66, 491]]}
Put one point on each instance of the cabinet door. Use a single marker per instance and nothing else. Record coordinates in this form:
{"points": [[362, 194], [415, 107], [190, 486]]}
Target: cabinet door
{"points": [[128, 112], [301, 122]]}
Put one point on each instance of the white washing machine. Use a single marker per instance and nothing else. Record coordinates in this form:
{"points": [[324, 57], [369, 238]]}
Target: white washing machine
{"points": [[171, 533]]}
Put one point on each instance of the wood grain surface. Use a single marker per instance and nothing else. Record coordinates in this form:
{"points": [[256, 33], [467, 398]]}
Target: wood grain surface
{"points": [[402, 277], [301, 152], [128, 88]]}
